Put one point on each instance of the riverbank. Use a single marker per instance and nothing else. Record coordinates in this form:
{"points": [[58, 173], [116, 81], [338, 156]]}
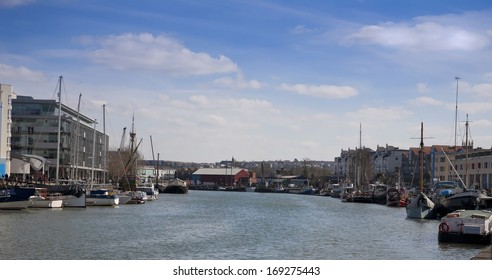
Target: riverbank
{"points": [[486, 254]]}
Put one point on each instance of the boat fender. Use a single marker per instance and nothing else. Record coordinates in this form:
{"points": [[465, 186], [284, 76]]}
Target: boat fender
{"points": [[444, 227]]}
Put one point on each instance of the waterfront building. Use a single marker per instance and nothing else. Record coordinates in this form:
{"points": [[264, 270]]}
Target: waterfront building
{"points": [[443, 159], [389, 160], [478, 174], [222, 176], [6, 97], [35, 132], [148, 172]]}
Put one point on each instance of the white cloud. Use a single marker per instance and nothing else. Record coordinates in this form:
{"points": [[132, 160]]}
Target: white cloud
{"points": [[322, 91], [425, 100], [475, 107], [301, 29], [482, 90], [239, 82], [391, 113], [145, 51], [13, 3], [421, 36], [20, 73], [200, 100]]}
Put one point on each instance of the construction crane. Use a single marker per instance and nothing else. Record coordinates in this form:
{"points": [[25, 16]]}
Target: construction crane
{"points": [[122, 143]]}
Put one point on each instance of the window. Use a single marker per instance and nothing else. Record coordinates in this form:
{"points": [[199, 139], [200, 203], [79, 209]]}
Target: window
{"points": [[30, 141], [30, 130]]}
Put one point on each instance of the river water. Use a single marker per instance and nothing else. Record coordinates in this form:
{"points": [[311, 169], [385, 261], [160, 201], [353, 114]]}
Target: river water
{"points": [[213, 225]]}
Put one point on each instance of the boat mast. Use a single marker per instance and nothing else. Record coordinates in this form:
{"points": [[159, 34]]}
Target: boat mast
{"points": [[76, 147], [153, 158], [132, 151], [59, 131], [466, 152], [105, 145], [421, 157], [93, 154], [157, 175], [456, 112]]}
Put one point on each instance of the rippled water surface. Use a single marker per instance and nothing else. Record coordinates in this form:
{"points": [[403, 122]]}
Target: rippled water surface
{"points": [[209, 225]]}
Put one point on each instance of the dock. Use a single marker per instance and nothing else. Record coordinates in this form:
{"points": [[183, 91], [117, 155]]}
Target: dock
{"points": [[485, 254]]}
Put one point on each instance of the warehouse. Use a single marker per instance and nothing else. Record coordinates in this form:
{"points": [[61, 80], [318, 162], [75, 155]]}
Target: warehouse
{"points": [[221, 177]]}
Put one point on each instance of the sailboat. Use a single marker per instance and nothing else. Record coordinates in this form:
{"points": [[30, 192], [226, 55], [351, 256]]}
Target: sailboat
{"points": [[462, 198], [174, 185], [421, 206], [72, 193], [99, 197]]}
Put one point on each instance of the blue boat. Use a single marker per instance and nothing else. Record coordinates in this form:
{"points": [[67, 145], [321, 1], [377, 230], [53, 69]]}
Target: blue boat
{"points": [[15, 198]]}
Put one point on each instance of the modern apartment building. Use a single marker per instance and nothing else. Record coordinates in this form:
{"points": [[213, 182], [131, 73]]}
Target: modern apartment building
{"points": [[35, 126], [6, 96]]}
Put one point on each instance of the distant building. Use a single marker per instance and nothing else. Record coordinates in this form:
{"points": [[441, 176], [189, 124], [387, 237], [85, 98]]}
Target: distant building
{"points": [[388, 160], [475, 169], [222, 176], [6, 96], [35, 132], [148, 173]]}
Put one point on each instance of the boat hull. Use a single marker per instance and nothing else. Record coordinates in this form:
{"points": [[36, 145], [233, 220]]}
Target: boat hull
{"points": [[124, 199], [102, 201], [176, 189], [15, 198], [421, 207], [74, 201], [45, 203], [455, 237], [14, 205]]}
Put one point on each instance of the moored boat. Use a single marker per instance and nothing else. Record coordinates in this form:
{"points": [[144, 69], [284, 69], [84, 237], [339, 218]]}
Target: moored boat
{"points": [[421, 206], [102, 198], [42, 199], [396, 197], [250, 189], [73, 195], [149, 189], [379, 193], [176, 186], [15, 198], [466, 226]]}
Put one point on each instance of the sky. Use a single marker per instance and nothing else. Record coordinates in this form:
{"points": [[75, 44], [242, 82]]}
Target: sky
{"points": [[259, 80]]}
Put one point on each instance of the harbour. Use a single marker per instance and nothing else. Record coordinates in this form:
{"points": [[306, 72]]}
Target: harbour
{"points": [[215, 225]]}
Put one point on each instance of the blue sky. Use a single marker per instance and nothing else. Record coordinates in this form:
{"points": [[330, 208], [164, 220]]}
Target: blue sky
{"points": [[259, 80]]}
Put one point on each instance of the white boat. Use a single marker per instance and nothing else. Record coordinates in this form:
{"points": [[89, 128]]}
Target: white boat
{"points": [[149, 189], [102, 198], [124, 199], [466, 226], [420, 207], [73, 195], [42, 199], [250, 189]]}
